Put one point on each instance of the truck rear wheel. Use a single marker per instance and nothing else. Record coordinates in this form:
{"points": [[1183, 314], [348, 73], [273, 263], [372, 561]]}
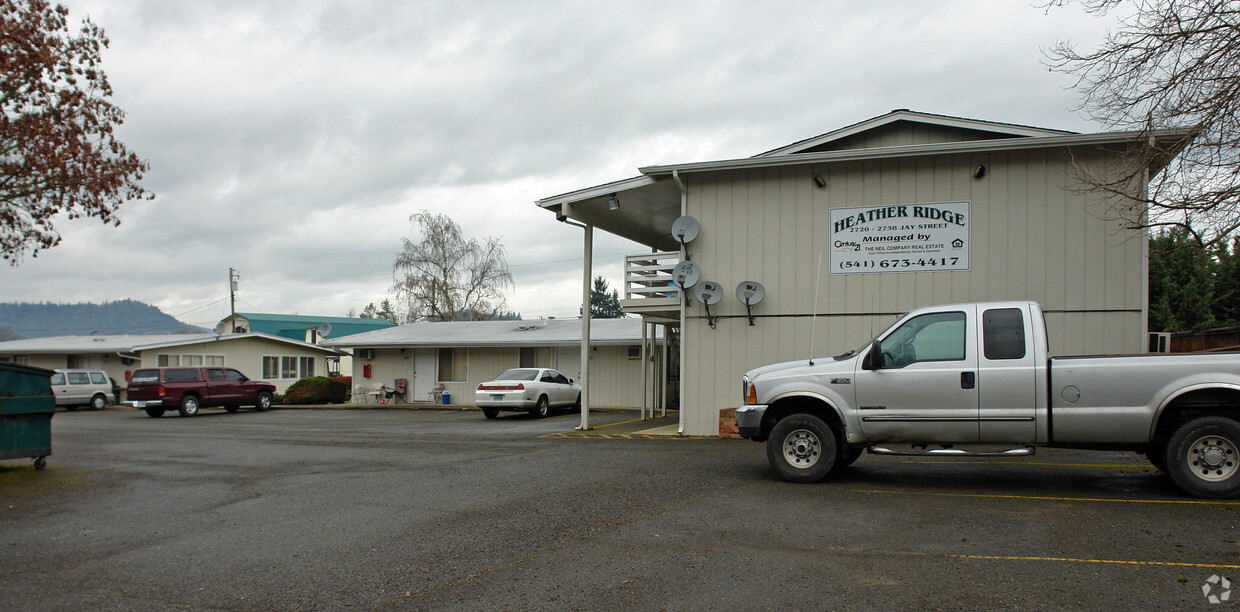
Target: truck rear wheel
{"points": [[1203, 457], [802, 448], [189, 406]]}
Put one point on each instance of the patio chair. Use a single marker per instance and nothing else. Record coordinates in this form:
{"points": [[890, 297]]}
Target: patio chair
{"points": [[398, 392]]}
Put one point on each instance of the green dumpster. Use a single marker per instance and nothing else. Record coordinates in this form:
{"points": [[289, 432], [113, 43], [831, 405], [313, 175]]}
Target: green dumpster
{"points": [[26, 409]]}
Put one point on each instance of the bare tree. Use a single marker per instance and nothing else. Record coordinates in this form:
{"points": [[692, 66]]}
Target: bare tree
{"points": [[444, 277], [58, 151], [1170, 65]]}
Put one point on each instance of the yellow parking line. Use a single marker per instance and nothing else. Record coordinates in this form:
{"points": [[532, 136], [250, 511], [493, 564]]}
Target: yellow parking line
{"points": [[1049, 498], [1098, 561]]}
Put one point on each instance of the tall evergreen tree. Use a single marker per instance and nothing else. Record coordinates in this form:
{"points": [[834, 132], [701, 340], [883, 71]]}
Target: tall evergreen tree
{"points": [[1182, 277]]}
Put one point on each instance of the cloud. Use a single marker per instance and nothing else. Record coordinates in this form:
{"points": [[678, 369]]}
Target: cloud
{"points": [[292, 140]]}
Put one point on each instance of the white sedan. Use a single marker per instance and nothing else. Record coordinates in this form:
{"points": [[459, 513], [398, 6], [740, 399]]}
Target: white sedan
{"points": [[533, 390]]}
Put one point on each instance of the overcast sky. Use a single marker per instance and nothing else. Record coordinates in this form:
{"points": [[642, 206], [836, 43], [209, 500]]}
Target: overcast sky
{"points": [[292, 140]]}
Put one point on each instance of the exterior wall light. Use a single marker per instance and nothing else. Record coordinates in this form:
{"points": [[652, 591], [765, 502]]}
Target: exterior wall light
{"points": [[613, 203], [979, 172], [819, 181]]}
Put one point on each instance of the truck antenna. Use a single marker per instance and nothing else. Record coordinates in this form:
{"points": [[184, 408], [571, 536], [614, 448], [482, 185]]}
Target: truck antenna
{"points": [[814, 309]]}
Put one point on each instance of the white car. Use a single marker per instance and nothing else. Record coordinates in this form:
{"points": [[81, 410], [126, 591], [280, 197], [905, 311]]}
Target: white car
{"points": [[533, 390]]}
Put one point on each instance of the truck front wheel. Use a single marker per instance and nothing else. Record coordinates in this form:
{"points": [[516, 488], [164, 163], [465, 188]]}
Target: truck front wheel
{"points": [[1203, 457], [802, 448]]}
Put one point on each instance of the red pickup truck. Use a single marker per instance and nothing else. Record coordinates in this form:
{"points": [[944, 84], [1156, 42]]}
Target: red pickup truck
{"points": [[189, 389]]}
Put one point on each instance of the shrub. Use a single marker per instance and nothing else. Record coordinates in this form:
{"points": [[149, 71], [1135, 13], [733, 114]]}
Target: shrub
{"points": [[316, 390]]}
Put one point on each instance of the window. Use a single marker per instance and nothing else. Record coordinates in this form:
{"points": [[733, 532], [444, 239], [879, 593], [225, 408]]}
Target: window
{"points": [[277, 367], [58, 378], [181, 375], [164, 361], [78, 378], [635, 352], [932, 337], [235, 376], [452, 365], [75, 361], [215, 375], [535, 358], [98, 378], [271, 368], [1003, 331]]}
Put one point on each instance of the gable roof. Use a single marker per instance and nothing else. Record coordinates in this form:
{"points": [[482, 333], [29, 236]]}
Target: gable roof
{"points": [[972, 129], [449, 334], [651, 202]]}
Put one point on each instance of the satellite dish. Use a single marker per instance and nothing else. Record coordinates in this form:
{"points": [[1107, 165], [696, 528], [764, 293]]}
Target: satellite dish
{"points": [[685, 229], [219, 327], [709, 292], [750, 293], [686, 274], [325, 329]]}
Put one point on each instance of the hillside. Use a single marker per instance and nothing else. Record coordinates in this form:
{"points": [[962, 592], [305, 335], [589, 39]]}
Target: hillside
{"points": [[23, 320]]}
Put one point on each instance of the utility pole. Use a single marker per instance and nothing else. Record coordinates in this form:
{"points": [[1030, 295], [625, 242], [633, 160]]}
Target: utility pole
{"points": [[233, 277]]}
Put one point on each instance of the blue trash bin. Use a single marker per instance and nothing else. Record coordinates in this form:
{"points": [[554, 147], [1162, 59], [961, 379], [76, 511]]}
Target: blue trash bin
{"points": [[447, 398]]}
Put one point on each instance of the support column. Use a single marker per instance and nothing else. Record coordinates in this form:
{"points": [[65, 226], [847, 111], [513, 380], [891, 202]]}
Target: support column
{"points": [[587, 272]]}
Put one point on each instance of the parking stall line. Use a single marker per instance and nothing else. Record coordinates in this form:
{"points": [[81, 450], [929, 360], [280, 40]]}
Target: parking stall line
{"points": [[1189, 502], [910, 553]]}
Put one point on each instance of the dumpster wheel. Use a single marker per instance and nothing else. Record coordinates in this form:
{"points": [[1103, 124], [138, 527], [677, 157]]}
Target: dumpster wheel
{"points": [[40, 462]]}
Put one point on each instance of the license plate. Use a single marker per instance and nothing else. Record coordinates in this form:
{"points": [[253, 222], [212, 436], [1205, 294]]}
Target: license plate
{"points": [[139, 404], [497, 398]]}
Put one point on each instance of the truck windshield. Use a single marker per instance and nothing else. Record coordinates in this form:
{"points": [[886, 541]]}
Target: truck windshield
{"points": [[844, 356]]}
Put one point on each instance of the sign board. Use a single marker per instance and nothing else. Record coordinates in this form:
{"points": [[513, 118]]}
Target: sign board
{"points": [[900, 238]]}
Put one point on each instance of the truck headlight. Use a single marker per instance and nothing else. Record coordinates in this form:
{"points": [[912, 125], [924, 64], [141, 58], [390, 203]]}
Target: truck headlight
{"points": [[749, 394]]}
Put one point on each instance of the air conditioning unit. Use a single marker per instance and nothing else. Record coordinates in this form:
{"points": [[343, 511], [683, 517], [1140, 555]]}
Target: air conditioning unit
{"points": [[366, 353], [1160, 342]]}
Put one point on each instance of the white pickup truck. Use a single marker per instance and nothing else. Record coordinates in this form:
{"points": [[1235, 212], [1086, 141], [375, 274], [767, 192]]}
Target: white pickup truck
{"points": [[946, 377]]}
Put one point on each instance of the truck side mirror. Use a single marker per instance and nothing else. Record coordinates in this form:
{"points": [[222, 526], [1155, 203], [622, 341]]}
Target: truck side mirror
{"points": [[875, 357]]}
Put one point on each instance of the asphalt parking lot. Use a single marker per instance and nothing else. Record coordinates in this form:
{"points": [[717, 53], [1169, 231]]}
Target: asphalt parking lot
{"points": [[445, 510]]}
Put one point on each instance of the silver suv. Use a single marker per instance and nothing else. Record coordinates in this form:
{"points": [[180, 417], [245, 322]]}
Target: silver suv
{"points": [[74, 388]]}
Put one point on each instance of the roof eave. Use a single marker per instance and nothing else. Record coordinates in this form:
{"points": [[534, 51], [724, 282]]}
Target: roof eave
{"points": [[973, 146]]}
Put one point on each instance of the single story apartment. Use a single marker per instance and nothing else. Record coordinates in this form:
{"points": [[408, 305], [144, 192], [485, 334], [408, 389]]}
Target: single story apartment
{"points": [[456, 356], [822, 243], [280, 361]]}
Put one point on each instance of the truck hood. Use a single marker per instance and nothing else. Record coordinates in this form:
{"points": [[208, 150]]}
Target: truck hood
{"points": [[824, 366]]}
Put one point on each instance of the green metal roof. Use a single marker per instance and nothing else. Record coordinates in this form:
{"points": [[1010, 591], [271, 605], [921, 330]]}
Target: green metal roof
{"points": [[295, 326]]}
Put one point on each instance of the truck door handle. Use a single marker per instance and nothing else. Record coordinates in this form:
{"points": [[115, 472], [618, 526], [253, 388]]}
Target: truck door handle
{"points": [[968, 380]]}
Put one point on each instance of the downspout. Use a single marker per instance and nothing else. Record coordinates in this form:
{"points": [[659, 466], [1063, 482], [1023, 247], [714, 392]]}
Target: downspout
{"points": [[680, 388], [1145, 256]]}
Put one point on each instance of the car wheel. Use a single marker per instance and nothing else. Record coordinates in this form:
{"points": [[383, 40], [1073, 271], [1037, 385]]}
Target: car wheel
{"points": [[263, 402], [490, 413], [99, 402], [542, 408], [1203, 457], [232, 408], [189, 406], [802, 448], [154, 413]]}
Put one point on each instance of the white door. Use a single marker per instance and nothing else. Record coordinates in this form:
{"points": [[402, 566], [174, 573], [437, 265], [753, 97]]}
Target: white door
{"points": [[423, 381], [568, 362]]}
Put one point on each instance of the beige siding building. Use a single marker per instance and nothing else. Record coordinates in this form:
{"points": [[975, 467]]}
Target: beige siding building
{"points": [[279, 361], [456, 356], [849, 229]]}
